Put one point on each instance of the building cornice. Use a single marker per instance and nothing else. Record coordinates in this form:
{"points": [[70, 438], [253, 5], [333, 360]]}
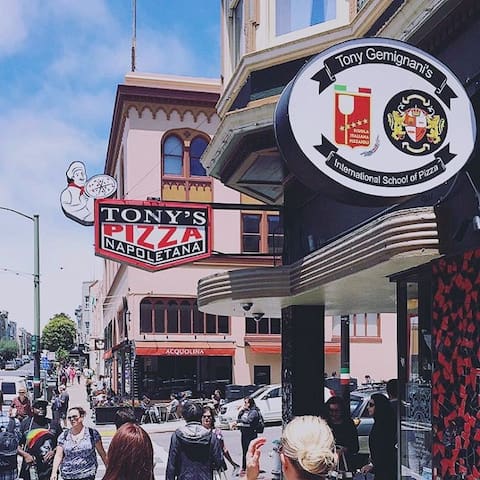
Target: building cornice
{"points": [[296, 49], [344, 275], [157, 98]]}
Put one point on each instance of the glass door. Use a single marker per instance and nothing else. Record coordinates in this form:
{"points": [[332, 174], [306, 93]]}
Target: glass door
{"points": [[416, 369]]}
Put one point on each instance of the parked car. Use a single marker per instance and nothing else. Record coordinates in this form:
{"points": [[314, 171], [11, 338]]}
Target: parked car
{"points": [[268, 399], [11, 365], [359, 412], [2, 363], [19, 362]]}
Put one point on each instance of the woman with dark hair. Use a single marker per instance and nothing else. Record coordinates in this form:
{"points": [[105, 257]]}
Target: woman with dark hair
{"points": [[382, 439], [208, 421], [130, 455], [76, 449], [344, 431], [247, 421]]}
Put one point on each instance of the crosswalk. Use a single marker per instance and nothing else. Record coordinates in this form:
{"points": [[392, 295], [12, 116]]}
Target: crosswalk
{"points": [[159, 453]]}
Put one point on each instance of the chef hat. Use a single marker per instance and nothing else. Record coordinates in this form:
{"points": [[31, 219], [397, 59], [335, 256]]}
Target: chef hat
{"points": [[74, 166]]}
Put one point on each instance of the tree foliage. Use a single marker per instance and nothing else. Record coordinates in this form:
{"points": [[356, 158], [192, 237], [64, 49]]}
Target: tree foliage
{"points": [[8, 349], [62, 355], [59, 333]]}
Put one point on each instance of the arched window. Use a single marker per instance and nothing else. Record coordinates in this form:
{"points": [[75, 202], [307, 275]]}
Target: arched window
{"points": [[186, 317], [159, 317], [173, 156], [183, 176], [197, 147], [146, 316], [172, 317]]}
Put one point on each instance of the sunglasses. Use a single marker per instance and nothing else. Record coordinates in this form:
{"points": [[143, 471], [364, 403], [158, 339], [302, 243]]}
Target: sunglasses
{"points": [[371, 404], [73, 417], [206, 416]]}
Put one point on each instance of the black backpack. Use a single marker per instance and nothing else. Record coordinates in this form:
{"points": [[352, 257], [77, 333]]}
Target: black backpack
{"points": [[261, 423], [8, 446]]}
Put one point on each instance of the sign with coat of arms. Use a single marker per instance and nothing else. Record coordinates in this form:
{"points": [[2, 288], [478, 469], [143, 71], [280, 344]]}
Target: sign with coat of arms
{"points": [[375, 117]]}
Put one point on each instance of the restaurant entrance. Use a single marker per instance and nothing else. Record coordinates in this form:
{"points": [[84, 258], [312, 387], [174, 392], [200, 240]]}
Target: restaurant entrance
{"points": [[161, 376]]}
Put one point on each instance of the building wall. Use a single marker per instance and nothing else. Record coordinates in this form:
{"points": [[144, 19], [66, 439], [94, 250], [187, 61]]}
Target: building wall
{"points": [[138, 168], [364, 349]]}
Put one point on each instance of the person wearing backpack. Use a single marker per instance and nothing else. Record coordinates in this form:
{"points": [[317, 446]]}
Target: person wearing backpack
{"points": [[194, 452], [9, 440], [38, 442], [249, 424], [76, 450]]}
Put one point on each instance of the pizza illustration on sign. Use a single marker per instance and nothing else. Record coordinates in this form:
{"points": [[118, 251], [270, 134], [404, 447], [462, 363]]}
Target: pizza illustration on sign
{"points": [[352, 117]]}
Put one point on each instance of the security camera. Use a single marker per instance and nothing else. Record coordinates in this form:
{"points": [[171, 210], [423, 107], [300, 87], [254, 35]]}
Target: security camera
{"points": [[257, 316], [247, 306]]}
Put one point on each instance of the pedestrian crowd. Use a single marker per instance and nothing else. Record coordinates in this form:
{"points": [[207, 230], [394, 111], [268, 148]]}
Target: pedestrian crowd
{"points": [[310, 447]]}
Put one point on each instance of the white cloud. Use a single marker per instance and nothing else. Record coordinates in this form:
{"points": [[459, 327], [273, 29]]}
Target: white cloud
{"points": [[14, 24], [165, 53]]}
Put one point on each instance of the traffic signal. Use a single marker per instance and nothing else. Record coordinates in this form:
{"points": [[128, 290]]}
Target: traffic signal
{"points": [[34, 343]]}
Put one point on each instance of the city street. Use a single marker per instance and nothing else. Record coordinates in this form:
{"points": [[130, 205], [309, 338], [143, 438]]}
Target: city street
{"points": [[159, 433]]}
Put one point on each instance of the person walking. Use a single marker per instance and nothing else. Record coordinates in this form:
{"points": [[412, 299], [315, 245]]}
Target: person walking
{"points": [[64, 398], [217, 400], [78, 373], [392, 392], [247, 421], [194, 452], [38, 442], [382, 439], [344, 432], [71, 375], [307, 450], [124, 415], [10, 436], [208, 421], [56, 406], [21, 407], [130, 454], [76, 450]]}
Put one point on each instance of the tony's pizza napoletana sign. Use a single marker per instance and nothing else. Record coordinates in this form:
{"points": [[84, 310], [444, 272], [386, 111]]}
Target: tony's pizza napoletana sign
{"points": [[152, 235], [375, 117]]}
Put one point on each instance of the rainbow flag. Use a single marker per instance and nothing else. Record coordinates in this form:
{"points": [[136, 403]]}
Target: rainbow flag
{"points": [[36, 435]]}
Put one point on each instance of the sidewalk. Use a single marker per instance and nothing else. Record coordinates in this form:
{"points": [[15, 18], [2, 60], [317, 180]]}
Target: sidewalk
{"points": [[78, 398]]}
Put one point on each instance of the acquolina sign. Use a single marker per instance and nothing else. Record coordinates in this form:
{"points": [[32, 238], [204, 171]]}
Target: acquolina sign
{"points": [[374, 118], [152, 235]]}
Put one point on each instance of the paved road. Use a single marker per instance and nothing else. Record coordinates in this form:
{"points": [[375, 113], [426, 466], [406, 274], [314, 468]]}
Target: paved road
{"points": [[161, 442]]}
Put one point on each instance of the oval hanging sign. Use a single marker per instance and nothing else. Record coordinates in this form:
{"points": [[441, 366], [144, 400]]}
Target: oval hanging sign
{"points": [[375, 117]]}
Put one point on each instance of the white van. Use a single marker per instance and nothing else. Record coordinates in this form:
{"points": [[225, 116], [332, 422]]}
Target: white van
{"points": [[10, 387]]}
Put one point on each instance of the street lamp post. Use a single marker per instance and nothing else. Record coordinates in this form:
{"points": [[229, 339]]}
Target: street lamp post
{"points": [[36, 296]]}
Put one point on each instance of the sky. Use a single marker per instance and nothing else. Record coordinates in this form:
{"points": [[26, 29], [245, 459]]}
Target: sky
{"points": [[60, 64]]}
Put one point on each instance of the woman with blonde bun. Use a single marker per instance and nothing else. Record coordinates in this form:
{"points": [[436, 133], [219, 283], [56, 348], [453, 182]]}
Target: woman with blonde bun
{"points": [[307, 450]]}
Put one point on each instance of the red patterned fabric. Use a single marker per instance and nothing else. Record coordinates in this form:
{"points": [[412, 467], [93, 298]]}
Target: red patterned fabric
{"points": [[456, 379]]}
